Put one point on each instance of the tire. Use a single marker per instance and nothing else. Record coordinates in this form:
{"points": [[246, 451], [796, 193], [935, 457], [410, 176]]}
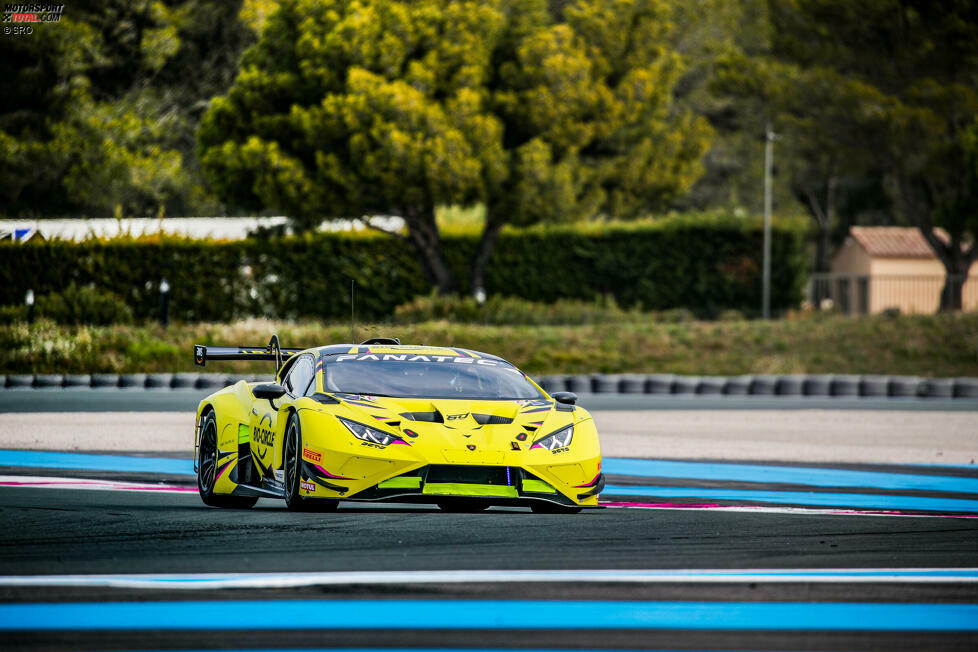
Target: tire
{"points": [[553, 508], [292, 463], [463, 506], [207, 469]]}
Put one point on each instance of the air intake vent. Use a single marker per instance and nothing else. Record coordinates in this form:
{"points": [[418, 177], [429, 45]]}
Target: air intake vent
{"points": [[491, 419], [431, 417]]}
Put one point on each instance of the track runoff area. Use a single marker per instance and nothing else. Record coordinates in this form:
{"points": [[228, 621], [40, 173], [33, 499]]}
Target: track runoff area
{"points": [[113, 550]]}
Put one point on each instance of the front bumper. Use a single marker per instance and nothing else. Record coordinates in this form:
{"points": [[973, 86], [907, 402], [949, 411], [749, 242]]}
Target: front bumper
{"points": [[498, 485]]}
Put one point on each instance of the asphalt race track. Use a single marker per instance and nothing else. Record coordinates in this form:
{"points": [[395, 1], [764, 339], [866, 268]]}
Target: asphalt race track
{"points": [[116, 551]]}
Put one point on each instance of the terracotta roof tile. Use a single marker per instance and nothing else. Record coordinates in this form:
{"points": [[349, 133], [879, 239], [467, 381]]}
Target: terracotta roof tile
{"points": [[894, 241]]}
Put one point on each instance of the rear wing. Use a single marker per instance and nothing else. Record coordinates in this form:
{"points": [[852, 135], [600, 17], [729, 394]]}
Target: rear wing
{"points": [[273, 351]]}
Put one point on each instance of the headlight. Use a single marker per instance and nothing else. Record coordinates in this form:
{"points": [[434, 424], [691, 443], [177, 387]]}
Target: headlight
{"points": [[367, 433], [555, 440]]}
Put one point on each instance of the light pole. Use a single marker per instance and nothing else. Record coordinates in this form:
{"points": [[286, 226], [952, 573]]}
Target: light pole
{"points": [[769, 138]]}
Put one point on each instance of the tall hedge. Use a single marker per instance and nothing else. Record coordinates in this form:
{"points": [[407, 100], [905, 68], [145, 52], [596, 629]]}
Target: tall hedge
{"points": [[704, 263]]}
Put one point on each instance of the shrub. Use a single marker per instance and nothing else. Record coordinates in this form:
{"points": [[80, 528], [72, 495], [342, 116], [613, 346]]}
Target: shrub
{"points": [[83, 305], [701, 263], [500, 310]]}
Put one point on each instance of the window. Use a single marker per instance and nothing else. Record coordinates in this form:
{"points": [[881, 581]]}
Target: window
{"points": [[297, 382], [434, 377]]}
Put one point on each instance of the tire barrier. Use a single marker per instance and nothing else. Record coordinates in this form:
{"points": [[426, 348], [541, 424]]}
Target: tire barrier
{"points": [[938, 388], [817, 385], [100, 381], [659, 384], [763, 385], [876, 386], [183, 380], [158, 381], [579, 384], [790, 386], [843, 386], [966, 388], [78, 380], [132, 381], [19, 381], [711, 385], [605, 384], [685, 384], [53, 381], [211, 381], [632, 384], [738, 386]]}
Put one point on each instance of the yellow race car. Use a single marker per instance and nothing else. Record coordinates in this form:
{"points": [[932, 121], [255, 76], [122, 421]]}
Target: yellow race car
{"points": [[385, 422]]}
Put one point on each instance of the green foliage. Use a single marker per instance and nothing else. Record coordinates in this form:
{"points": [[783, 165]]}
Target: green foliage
{"points": [[653, 265], [880, 90], [83, 305], [392, 107], [923, 345], [513, 310], [100, 108]]}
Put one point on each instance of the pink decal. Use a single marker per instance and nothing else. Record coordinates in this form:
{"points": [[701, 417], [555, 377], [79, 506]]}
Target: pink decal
{"points": [[330, 475], [593, 482], [535, 423], [223, 470], [379, 418], [535, 446], [95, 484], [781, 510], [400, 442]]}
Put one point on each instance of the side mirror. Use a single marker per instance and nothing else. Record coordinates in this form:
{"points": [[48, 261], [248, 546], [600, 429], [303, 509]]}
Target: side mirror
{"points": [[270, 391], [567, 398]]}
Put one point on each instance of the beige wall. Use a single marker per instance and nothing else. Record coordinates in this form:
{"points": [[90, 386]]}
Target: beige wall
{"points": [[913, 285], [851, 259]]}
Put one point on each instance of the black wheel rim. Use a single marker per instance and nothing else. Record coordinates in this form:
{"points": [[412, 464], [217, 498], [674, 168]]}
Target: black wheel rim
{"points": [[208, 456], [291, 461]]}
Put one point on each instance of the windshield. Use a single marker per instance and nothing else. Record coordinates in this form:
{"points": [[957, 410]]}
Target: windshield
{"points": [[430, 377]]}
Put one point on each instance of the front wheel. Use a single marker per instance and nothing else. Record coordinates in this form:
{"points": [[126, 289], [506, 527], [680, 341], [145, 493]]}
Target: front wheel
{"points": [[208, 471], [292, 464]]}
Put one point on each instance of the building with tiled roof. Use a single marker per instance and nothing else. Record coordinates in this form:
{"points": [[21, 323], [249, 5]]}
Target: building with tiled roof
{"points": [[883, 267]]}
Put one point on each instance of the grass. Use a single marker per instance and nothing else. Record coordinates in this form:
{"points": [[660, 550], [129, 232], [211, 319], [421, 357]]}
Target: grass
{"points": [[924, 345]]}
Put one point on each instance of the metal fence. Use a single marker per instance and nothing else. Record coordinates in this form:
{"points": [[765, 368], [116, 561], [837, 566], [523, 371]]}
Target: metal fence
{"points": [[856, 294]]}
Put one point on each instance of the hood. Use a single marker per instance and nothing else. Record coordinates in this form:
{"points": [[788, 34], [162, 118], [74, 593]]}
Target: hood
{"points": [[460, 423]]}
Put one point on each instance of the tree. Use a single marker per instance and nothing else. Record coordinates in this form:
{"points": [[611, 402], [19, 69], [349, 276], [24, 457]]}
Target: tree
{"points": [[830, 129], [388, 107], [100, 109], [915, 65]]}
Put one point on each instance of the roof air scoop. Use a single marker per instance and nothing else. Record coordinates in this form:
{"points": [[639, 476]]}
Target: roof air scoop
{"points": [[395, 341]]}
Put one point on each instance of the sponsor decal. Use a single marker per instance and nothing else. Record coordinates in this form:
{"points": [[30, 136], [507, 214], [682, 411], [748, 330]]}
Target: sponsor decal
{"points": [[311, 455], [453, 417], [471, 447], [560, 450], [263, 436], [453, 358], [515, 445], [308, 486], [370, 445]]}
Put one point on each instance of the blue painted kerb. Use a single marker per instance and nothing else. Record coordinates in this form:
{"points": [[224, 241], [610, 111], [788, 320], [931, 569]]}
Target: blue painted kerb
{"points": [[487, 614]]}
